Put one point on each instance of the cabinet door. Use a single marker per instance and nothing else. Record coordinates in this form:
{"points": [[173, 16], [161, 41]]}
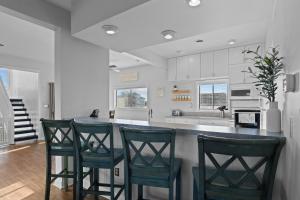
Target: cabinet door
{"points": [[221, 63], [236, 74], [236, 55], [182, 68], [172, 68], [194, 67], [206, 67]]}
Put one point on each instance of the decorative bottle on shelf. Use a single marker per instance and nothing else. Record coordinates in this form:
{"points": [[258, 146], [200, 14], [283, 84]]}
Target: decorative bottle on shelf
{"points": [[273, 118]]}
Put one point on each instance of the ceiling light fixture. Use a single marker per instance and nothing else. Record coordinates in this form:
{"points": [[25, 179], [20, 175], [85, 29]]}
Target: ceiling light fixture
{"points": [[110, 29], [168, 34], [199, 41], [114, 68], [231, 42], [194, 3]]}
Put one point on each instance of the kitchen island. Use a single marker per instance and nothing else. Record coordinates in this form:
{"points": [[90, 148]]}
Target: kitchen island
{"points": [[185, 147]]}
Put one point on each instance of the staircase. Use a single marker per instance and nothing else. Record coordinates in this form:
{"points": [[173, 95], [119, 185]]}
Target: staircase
{"points": [[24, 129]]}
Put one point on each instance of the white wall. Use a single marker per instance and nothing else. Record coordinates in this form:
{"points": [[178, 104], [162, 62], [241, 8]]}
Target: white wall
{"points": [[153, 78], [285, 31]]}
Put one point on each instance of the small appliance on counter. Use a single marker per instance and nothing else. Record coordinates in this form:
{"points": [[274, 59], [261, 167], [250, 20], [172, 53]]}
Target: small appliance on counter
{"points": [[176, 112], [112, 114], [247, 118]]}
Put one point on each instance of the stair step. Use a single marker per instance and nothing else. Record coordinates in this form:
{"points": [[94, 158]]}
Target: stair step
{"points": [[23, 125], [23, 138], [18, 104], [20, 109], [16, 100], [21, 115], [25, 131], [22, 120]]}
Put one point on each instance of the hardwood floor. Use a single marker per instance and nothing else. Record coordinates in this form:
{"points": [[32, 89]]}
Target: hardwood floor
{"points": [[22, 172]]}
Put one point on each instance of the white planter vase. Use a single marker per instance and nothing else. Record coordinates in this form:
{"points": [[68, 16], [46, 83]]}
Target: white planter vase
{"points": [[273, 118]]}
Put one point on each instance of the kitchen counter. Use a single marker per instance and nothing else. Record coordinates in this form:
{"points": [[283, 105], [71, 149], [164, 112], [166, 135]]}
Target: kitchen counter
{"points": [[186, 148], [188, 128]]}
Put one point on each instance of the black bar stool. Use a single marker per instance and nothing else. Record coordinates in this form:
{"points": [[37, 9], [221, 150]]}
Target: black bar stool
{"points": [[258, 159], [95, 149], [155, 166]]}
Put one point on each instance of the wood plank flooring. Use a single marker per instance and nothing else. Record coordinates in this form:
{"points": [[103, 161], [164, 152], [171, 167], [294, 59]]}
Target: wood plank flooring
{"points": [[22, 173]]}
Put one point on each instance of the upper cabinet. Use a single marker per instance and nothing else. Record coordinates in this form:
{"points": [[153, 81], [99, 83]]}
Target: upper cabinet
{"points": [[194, 63], [207, 65], [236, 55], [221, 63], [172, 69], [182, 68]]}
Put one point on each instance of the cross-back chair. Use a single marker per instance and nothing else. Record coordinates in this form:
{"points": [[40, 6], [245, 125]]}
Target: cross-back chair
{"points": [[95, 149], [150, 160], [252, 180]]}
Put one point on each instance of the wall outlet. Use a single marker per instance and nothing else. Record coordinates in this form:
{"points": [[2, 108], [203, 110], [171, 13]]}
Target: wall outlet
{"points": [[117, 172]]}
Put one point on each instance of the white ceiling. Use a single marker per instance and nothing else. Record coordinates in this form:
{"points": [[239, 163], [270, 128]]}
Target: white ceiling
{"points": [[26, 40], [244, 34], [124, 60], [66, 4], [141, 26]]}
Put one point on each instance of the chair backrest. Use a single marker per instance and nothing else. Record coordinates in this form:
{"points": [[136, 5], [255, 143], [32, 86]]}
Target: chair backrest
{"points": [[57, 133], [252, 155], [94, 139], [148, 150]]}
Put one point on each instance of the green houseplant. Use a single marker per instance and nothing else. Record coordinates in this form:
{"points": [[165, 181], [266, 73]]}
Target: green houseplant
{"points": [[266, 70]]}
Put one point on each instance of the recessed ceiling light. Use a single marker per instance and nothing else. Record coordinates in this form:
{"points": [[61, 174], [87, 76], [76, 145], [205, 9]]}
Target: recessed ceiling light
{"points": [[231, 42], [199, 41], [110, 29], [114, 68], [194, 3], [168, 34]]}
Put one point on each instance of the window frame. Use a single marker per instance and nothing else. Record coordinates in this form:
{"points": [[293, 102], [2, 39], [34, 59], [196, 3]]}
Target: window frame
{"points": [[212, 82], [130, 108]]}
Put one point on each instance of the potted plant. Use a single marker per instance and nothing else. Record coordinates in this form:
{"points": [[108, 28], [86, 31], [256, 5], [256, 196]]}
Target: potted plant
{"points": [[266, 70]]}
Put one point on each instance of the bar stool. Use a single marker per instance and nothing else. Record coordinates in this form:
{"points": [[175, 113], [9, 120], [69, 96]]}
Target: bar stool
{"points": [[222, 181], [95, 149], [59, 142], [150, 167]]}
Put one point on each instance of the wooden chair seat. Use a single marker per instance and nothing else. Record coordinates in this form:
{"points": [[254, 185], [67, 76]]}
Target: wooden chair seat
{"points": [[220, 190], [100, 160]]}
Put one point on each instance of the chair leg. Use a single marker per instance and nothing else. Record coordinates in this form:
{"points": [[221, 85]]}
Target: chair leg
{"points": [[178, 185], [79, 189], [140, 192], [48, 178], [96, 181], [74, 178], [112, 184], [66, 167], [195, 191], [171, 192]]}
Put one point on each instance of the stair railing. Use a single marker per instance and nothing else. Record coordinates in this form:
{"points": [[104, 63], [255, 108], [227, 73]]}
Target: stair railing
{"points": [[7, 132]]}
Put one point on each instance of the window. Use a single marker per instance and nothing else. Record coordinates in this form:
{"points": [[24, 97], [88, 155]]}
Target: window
{"points": [[4, 76], [213, 95], [132, 98]]}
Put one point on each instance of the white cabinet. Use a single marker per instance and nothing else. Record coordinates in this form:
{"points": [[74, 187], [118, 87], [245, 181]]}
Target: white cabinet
{"points": [[236, 55], [172, 69], [194, 67], [207, 65], [220, 63], [182, 68], [236, 74]]}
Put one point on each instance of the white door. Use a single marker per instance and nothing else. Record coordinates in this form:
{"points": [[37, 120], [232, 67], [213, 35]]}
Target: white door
{"points": [[194, 67], [182, 68], [207, 68], [172, 68], [221, 63]]}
